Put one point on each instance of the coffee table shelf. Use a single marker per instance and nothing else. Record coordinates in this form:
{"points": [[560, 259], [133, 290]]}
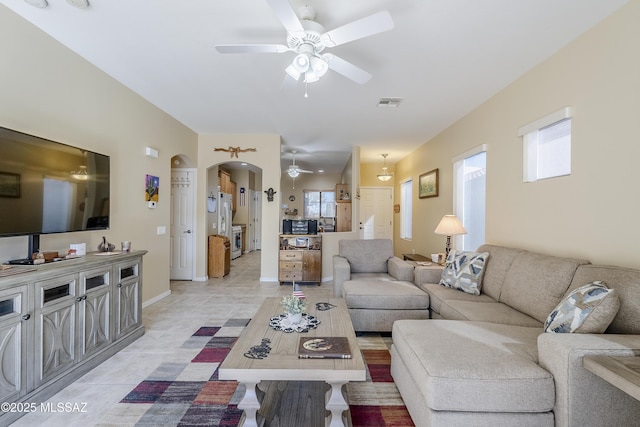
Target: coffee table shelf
{"points": [[283, 364]]}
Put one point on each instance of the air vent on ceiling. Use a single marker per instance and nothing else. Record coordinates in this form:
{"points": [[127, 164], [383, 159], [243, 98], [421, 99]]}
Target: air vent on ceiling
{"points": [[389, 102]]}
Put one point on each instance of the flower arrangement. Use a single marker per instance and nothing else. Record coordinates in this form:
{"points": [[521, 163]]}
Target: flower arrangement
{"points": [[293, 304]]}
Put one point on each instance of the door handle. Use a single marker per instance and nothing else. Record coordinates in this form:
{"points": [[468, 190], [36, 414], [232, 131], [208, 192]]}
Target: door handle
{"points": [[188, 231]]}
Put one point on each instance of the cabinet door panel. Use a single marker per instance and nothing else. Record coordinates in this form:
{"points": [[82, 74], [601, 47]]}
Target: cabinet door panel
{"points": [[128, 313], [56, 339], [312, 266], [13, 339], [96, 309]]}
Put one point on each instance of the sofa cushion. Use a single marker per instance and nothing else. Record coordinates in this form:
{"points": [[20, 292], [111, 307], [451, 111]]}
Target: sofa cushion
{"points": [[496, 267], [626, 282], [386, 295], [438, 294], [536, 283], [588, 309], [366, 255], [464, 271], [474, 366], [494, 312]]}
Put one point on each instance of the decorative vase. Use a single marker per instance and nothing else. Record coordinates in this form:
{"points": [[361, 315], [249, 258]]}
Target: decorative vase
{"points": [[294, 318]]}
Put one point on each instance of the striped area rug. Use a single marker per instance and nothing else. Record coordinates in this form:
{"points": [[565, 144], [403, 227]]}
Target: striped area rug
{"points": [[190, 393]]}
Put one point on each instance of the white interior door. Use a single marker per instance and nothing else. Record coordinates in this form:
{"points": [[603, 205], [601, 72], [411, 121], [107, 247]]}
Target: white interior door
{"points": [[376, 213], [182, 224], [257, 220]]}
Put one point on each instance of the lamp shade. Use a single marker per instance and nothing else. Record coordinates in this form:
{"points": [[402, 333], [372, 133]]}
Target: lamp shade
{"points": [[450, 225]]}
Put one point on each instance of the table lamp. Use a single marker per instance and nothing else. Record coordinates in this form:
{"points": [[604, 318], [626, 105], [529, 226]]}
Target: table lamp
{"points": [[449, 226]]}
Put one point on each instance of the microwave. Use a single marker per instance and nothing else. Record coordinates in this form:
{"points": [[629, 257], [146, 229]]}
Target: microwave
{"points": [[299, 226]]}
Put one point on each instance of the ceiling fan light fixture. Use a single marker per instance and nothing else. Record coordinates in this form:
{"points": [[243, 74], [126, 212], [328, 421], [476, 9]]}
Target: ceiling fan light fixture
{"points": [[295, 74], [319, 66], [311, 76], [293, 173], [301, 63]]}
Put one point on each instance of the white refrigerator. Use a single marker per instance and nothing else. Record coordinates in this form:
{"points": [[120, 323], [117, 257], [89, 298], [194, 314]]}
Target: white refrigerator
{"points": [[223, 215]]}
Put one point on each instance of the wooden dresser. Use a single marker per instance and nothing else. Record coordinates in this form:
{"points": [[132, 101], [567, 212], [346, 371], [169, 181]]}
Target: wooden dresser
{"points": [[300, 258]]}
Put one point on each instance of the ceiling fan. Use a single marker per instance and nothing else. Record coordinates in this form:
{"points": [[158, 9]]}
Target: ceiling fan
{"points": [[294, 170], [308, 39]]}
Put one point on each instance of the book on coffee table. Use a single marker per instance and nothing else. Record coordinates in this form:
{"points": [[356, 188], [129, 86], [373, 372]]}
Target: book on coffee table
{"points": [[324, 348]]}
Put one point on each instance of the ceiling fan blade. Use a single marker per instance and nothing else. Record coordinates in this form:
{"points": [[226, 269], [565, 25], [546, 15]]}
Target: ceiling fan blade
{"points": [[346, 68], [287, 16], [367, 26], [252, 48]]}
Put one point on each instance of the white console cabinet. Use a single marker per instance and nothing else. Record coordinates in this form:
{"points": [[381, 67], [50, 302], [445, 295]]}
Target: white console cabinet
{"points": [[60, 320]]}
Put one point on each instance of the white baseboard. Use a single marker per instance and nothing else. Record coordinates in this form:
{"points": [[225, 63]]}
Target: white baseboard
{"points": [[269, 279], [156, 299], [200, 279]]}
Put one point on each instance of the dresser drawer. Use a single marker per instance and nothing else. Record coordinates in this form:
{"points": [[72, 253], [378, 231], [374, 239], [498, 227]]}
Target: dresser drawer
{"points": [[290, 255], [290, 276], [290, 265]]}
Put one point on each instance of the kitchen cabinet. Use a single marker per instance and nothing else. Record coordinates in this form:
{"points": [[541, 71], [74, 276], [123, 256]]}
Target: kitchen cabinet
{"points": [[343, 216], [300, 258], [227, 186]]}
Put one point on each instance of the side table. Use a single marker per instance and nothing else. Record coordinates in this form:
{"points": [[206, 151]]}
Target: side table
{"points": [[622, 372], [415, 257]]}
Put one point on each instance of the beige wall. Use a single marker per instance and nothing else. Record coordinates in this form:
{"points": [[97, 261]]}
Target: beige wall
{"points": [[49, 91], [591, 213], [267, 157], [369, 175]]}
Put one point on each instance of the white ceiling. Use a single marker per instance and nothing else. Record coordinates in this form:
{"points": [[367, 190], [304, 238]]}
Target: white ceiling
{"points": [[443, 58]]}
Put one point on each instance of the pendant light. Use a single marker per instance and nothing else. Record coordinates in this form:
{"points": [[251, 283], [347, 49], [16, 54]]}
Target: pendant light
{"points": [[385, 175]]}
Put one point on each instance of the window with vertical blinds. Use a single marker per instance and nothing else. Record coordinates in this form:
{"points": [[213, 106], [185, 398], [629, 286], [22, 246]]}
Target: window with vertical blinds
{"points": [[470, 185], [406, 224]]}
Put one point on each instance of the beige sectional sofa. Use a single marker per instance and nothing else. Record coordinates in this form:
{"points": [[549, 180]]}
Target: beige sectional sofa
{"points": [[377, 286], [485, 360]]}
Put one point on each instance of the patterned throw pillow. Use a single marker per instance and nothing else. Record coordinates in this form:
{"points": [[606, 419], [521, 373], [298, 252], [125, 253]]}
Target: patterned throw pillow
{"points": [[463, 270], [589, 309]]}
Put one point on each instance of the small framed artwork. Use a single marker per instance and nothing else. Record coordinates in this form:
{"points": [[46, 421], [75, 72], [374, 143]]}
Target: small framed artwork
{"points": [[152, 188], [428, 184], [9, 184]]}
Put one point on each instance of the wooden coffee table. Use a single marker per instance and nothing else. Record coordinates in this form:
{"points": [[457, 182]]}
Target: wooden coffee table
{"points": [[283, 364]]}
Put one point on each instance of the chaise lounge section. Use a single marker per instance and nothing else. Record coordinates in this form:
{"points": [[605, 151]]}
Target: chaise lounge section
{"points": [[485, 360]]}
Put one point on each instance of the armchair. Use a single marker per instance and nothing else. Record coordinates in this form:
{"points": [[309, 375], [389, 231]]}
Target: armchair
{"points": [[377, 286]]}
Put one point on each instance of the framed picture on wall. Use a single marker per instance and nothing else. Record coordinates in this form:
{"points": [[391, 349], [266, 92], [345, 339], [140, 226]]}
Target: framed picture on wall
{"points": [[9, 184], [428, 184]]}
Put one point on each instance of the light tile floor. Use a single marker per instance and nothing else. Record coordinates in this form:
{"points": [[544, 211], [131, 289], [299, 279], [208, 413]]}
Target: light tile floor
{"points": [[169, 323]]}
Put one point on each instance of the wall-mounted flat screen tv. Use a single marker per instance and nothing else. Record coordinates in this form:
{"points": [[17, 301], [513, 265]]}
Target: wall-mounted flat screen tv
{"points": [[50, 187]]}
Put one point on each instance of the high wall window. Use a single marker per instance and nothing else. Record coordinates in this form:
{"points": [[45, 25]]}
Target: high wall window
{"points": [[319, 204], [470, 184], [546, 149], [406, 225]]}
